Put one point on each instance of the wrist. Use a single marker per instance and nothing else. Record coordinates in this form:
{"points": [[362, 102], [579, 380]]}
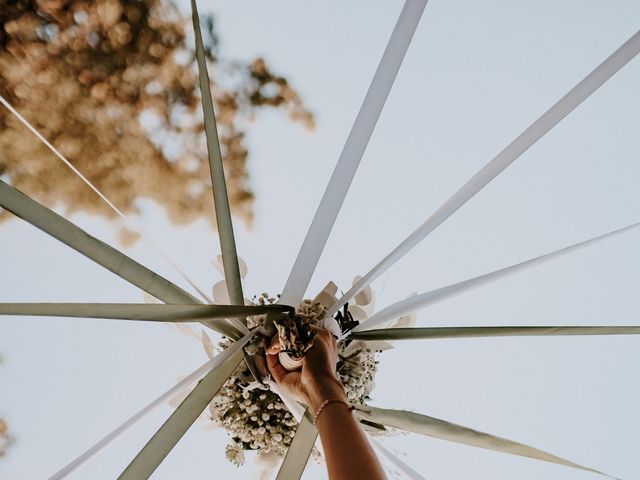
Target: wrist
{"points": [[328, 389]]}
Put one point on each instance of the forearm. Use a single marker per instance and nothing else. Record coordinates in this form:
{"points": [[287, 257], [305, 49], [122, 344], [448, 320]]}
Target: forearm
{"points": [[348, 453]]}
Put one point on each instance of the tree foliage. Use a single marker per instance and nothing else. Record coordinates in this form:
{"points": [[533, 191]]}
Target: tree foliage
{"points": [[5, 438], [112, 84]]}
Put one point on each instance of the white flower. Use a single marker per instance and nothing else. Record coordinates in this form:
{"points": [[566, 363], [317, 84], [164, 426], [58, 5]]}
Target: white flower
{"points": [[256, 418], [234, 453]]}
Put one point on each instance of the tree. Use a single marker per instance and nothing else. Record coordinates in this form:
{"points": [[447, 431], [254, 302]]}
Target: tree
{"points": [[5, 438], [112, 84]]}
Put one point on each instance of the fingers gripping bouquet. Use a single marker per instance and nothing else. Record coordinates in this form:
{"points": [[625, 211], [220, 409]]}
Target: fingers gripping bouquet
{"points": [[295, 334], [251, 412]]}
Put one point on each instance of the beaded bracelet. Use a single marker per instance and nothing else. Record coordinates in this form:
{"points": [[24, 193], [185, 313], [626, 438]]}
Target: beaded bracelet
{"points": [[327, 402]]}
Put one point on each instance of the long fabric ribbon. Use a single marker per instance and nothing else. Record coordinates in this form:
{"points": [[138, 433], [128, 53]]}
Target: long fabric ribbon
{"points": [[104, 198], [403, 467], [219, 187], [297, 456], [352, 152], [618, 59], [101, 253], [140, 311], [415, 303], [444, 430], [433, 333], [162, 399]]}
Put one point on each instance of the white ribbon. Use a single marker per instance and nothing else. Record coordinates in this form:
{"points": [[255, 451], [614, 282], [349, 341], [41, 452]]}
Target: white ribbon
{"points": [[352, 152], [165, 397], [414, 303], [127, 221], [506, 157], [404, 468]]}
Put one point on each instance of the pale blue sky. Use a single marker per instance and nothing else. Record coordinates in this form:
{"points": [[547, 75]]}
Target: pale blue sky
{"points": [[476, 75]]}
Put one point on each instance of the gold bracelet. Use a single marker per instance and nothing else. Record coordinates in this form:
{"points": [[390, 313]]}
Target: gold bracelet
{"points": [[327, 402]]}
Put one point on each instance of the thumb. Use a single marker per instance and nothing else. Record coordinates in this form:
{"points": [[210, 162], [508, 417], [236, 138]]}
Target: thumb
{"points": [[274, 348]]}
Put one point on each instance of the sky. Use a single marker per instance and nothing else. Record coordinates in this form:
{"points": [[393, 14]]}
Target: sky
{"points": [[476, 75]]}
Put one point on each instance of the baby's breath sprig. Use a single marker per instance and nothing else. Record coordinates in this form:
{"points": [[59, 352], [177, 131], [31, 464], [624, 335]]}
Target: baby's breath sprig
{"points": [[253, 415]]}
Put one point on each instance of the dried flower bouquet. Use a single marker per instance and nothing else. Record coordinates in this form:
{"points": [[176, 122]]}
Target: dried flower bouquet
{"points": [[231, 381]]}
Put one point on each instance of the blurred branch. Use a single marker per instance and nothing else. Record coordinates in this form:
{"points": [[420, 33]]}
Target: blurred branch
{"points": [[113, 85], [5, 437]]}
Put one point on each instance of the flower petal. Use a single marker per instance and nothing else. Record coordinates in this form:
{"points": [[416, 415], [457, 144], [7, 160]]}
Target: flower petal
{"points": [[331, 324], [364, 297], [217, 263], [358, 313], [150, 298], [207, 344], [220, 293], [327, 296]]}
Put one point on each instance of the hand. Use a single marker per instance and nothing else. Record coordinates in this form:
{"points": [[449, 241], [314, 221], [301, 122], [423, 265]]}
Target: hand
{"points": [[317, 380]]}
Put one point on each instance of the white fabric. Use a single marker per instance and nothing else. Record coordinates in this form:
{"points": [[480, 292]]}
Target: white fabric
{"points": [[417, 302], [127, 221], [506, 157], [403, 467], [354, 148], [165, 397]]}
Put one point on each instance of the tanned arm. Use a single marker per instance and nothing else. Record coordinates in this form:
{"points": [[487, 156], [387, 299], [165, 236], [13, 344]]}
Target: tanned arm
{"points": [[348, 454]]}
